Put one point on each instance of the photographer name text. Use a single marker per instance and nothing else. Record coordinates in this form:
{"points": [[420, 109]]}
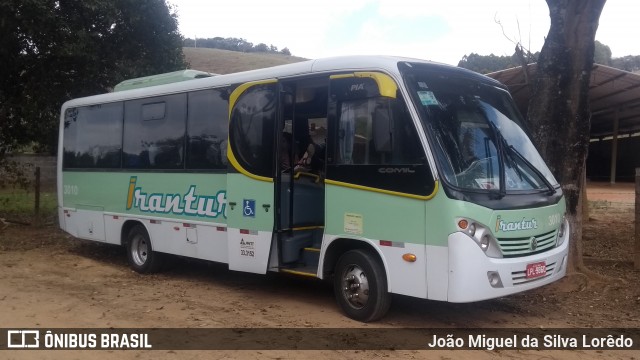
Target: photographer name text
{"points": [[551, 341]]}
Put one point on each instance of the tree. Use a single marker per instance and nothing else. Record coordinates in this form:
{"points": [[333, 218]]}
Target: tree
{"points": [[602, 54], [627, 63], [55, 50], [285, 51], [262, 47], [234, 44], [559, 108], [485, 64]]}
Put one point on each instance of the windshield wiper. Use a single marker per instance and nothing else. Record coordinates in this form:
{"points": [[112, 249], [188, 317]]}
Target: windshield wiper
{"points": [[502, 145], [530, 165], [501, 159]]}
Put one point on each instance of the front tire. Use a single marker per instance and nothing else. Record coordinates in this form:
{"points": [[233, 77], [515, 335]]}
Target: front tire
{"points": [[140, 253], [360, 286]]}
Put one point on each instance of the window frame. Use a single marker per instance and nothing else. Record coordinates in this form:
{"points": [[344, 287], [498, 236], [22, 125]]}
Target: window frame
{"points": [[175, 117], [66, 141]]}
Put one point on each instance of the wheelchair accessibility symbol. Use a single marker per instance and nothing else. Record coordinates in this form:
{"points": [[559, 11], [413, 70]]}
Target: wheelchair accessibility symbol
{"points": [[249, 208]]}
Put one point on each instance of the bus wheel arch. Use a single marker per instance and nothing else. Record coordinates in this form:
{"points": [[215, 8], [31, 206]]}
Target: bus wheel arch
{"points": [[360, 279], [126, 228], [140, 254]]}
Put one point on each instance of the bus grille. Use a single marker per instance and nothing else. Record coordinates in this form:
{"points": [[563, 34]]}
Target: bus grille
{"points": [[515, 247]]}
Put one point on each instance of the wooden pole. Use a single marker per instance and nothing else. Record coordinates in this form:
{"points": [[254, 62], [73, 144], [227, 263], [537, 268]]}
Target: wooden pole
{"points": [[585, 199], [614, 147], [637, 252]]}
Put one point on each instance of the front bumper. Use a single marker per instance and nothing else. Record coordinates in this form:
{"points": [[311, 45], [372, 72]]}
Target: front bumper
{"points": [[469, 270]]}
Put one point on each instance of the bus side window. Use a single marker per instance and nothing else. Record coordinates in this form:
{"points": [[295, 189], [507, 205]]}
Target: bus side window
{"points": [[154, 130], [93, 137], [376, 131], [251, 130], [207, 127], [377, 146]]}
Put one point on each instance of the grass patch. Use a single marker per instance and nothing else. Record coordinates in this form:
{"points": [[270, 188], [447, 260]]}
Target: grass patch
{"points": [[20, 203], [599, 204], [225, 62]]}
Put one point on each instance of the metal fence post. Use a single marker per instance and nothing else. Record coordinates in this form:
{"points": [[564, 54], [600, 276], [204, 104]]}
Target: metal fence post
{"points": [[637, 221], [36, 209]]}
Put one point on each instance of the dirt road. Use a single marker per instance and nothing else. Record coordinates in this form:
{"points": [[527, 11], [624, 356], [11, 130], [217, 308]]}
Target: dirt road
{"points": [[48, 279]]}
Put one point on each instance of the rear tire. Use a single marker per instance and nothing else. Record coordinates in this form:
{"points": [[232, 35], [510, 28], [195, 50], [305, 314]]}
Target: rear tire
{"points": [[360, 286], [140, 253]]}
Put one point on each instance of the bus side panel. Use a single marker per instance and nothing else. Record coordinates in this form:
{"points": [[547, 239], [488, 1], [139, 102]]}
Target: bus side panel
{"points": [[196, 240], [85, 223], [70, 222], [185, 214], [438, 272], [394, 223], [213, 243], [440, 222], [250, 225], [59, 179], [90, 223], [113, 228]]}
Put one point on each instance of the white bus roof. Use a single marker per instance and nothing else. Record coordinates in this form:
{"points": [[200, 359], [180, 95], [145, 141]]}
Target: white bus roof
{"points": [[388, 64]]}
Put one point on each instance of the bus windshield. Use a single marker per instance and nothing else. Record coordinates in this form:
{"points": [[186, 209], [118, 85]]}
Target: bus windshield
{"points": [[477, 135]]}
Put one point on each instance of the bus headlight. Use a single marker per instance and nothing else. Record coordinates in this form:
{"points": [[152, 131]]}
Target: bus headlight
{"points": [[484, 243], [472, 229], [563, 231], [563, 227], [481, 235]]}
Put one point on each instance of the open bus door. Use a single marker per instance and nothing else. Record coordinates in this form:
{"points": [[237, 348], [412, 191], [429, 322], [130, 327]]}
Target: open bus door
{"points": [[299, 186], [250, 188]]}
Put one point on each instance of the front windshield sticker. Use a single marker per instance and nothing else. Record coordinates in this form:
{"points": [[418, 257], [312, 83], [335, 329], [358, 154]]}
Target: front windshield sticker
{"points": [[488, 184], [427, 98]]}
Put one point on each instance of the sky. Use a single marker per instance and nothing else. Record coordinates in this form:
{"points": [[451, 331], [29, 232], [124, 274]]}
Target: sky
{"points": [[442, 31]]}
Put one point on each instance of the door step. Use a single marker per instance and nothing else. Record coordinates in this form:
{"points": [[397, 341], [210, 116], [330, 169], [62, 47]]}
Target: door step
{"points": [[302, 271], [308, 266]]}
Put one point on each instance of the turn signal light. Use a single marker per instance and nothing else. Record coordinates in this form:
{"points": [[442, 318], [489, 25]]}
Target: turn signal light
{"points": [[463, 223], [409, 258]]}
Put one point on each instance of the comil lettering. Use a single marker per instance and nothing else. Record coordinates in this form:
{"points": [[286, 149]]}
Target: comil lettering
{"points": [[396, 171], [189, 203]]}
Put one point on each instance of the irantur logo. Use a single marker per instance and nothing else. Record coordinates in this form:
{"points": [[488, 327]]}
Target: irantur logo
{"points": [[523, 224], [189, 203]]}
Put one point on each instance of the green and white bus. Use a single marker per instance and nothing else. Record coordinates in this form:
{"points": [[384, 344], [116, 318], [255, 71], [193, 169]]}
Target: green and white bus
{"points": [[384, 174]]}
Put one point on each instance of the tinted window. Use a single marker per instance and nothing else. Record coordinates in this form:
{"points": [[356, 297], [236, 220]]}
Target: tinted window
{"points": [[207, 130], [376, 145], [154, 130], [252, 129], [93, 136], [376, 131]]}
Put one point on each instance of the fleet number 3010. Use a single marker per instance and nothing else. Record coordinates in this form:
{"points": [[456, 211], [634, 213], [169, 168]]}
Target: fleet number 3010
{"points": [[71, 189]]}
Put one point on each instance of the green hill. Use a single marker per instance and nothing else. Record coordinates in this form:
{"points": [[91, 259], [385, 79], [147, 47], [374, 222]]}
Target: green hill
{"points": [[225, 62]]}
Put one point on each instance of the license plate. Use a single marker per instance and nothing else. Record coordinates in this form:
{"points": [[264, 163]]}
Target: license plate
{"points": [[536, 270]]}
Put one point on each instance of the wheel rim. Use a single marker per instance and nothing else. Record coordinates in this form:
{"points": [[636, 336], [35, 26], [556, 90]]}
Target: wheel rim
{"points": [[139, 250], [355, 286]]}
